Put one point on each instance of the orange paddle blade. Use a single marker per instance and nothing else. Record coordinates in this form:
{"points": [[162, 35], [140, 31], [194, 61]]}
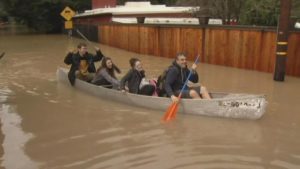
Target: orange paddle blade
{"points": [[171, 112], [167, 113], [173, 115]]}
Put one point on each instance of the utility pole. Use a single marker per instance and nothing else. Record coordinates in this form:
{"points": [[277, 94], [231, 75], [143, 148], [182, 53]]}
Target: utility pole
{"points": [[282, 39]]}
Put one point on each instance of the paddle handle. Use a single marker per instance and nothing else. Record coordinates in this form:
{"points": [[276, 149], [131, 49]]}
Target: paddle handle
{"points": [[86, 39], [186, 81]]}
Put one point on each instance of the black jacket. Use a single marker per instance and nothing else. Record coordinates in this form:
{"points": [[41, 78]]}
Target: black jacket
{"points": [[175, 78], [133, 79], [74, 60]]}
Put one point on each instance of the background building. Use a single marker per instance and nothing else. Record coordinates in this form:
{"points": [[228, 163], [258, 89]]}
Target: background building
{"points": [[105, 11]]}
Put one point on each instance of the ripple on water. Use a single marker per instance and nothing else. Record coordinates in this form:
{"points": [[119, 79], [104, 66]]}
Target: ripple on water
{"points": [[14, 148], [284, 164], [5, 92]]}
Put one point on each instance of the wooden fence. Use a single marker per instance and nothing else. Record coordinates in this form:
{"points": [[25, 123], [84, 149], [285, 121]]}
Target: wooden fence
{"points": [[246, 48]]}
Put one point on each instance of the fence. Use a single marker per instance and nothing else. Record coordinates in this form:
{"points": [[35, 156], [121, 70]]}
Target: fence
{"points": [[242, 47]]}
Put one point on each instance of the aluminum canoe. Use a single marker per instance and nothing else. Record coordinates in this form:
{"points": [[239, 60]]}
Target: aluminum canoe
{"points": [[228, 105]]}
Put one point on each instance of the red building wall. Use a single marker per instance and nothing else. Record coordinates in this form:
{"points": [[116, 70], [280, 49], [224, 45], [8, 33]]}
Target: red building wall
{"points": [[103, 3]]}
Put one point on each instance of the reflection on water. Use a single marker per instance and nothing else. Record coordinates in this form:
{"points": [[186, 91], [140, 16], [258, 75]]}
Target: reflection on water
{"points": [[49, 125], [14, 137]]}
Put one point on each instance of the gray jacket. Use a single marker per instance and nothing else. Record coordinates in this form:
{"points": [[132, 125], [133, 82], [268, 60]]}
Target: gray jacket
{"points": [[103, 78]]}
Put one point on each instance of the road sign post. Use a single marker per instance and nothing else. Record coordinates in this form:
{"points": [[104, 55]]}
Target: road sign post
{"points": [[68, 24], [68, 14]]}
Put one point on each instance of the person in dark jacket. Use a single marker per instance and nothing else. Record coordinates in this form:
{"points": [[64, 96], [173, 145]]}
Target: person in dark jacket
{"points": [[105, 75], [176, 77], [82, 63], [134, 78]]}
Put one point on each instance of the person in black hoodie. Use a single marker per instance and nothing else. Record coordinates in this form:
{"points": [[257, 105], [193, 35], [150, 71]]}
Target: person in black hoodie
{"points": [[82, 63], [176, 77], [134, 78]]}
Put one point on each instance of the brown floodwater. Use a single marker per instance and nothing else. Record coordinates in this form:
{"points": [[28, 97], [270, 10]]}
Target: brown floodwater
{"points": [[45, 124]]}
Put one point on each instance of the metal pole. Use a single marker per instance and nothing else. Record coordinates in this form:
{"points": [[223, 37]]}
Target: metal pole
{"points": [[282, 39]]}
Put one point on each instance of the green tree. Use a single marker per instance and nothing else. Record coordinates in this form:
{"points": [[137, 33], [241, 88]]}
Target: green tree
{"points": [[3, 13], [223, 9], [266, 12], [257, 12], [296, 8], [247, 12], [43, 15]]}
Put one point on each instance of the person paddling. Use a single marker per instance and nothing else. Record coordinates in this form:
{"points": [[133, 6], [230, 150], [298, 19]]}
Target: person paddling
{"points": [[82, 63], [105, 75], [177, 75]]}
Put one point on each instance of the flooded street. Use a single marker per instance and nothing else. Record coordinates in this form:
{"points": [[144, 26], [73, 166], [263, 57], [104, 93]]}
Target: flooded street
{"points": [[45, 124]]}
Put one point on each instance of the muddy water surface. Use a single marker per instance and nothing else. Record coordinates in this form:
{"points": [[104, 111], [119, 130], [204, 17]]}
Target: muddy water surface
{"points": [[48, 125]]}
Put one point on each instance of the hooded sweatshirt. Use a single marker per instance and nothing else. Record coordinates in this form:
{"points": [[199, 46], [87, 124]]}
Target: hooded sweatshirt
{"points": [[175, 78]]}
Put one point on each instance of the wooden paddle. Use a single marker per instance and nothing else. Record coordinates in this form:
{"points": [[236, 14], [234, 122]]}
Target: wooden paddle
{"points": [[172, 110], [86, 39]]}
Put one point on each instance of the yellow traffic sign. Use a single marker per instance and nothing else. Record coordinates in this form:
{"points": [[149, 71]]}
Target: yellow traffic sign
{"points": [[68, 25], [67, 13]]}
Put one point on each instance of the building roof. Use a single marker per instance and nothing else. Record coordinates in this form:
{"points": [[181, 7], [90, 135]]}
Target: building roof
{"points": [[136, 8], [161, 20]]}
